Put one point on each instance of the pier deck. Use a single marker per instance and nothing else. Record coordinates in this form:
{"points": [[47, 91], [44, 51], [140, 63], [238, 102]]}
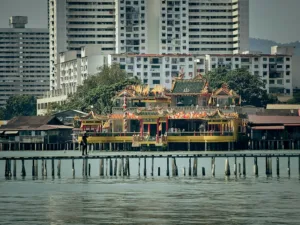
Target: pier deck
{"points": [[114, 155]]}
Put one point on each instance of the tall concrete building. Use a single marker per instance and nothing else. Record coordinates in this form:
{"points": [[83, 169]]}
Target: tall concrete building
{"points": [[182, 26], [76, 23], [24, 60]]}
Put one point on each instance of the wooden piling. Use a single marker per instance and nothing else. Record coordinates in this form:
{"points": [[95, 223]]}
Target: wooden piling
{"points": [[36, 168], [110, 167], [106, 167], [128, 167], [52, 168], [289, 166], [158, 171], [277, 167], [240, 170], [213, 166], [23, 172], [139, 167], [83, 167], [267, 166], [33, 168], [168, 170], [89, 169], [123, 172], [116, 167], [270, 166], [152, 166], [173, 167], [195, 166], [86, 167], [244, 166], [235, 167], [73, 167], [227, 167], [42, 167], [145, 166], [255, 167], [203, 171], [120, 167], [183, 171], [299, 165], [45, 168], [101, 167], [190, 167], [15, 168], [58, 167]]}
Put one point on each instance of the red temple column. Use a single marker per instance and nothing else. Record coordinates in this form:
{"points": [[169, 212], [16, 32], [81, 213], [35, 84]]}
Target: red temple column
{"points": [[157, 127], [149, 128], [167, 124], [141, 127]]}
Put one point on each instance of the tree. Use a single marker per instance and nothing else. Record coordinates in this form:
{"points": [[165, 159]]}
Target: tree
{"points": [[20, 105], [2, 113], [98, 90], [295, 99], [250, 87]]}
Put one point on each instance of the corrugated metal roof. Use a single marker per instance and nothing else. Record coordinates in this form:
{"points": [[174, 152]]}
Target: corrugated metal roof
{"points": [[255, 119], [282, 106], [33, 123], [268, 128]]}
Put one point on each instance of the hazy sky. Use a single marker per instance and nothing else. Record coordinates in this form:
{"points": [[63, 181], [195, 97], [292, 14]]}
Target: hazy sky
{"points": [[277, 20]]}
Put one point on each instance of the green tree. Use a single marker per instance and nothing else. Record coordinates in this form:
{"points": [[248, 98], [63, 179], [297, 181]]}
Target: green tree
{"points": [[250, 87], [20, 105], [98, 90], [2, 113], [295, 99]]}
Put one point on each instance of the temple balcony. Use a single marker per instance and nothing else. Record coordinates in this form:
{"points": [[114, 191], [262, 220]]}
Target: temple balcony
{"points": [[208, 109]]}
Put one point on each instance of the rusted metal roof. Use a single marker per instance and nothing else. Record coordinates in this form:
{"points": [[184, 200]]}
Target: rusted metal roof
{"points": [[268, 128], [34, 123], [255, 119]]}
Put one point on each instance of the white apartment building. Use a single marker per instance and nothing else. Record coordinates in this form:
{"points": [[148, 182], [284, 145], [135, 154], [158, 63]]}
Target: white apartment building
{"points": [[155, 69], [76, 23], [274, 69], [24, 60], [182, 26], [70, 72]]}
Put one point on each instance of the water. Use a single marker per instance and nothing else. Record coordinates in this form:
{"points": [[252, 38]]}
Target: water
{"points": [[157, 200]]}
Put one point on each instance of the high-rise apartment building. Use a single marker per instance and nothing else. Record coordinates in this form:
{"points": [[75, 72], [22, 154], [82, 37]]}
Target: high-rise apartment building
{"points": [[204, 26], [76, 23], [182, 26], [24, 60]]}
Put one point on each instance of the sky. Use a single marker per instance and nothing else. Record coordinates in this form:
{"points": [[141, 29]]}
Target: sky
{"points": [[276, 20]]}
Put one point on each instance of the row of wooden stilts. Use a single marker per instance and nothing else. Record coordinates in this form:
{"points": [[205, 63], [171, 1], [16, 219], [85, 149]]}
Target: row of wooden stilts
{"points": [[121, 167]]}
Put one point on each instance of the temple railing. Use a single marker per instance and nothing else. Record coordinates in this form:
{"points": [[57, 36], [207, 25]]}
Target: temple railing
{"points": [[153, 138], [197, 133], [181, 108]]}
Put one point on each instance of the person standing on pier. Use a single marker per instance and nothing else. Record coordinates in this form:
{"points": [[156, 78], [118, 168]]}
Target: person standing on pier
{"points": [[84, 144]]}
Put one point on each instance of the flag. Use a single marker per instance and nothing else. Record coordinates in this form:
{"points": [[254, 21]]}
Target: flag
{"points": [[233, 101], [209, 101]]}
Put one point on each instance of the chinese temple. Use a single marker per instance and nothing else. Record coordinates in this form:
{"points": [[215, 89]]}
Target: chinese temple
{"points": [[190, 116]]}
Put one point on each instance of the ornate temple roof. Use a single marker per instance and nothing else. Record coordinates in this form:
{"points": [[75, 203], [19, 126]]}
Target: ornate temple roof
{"points": [[195, 86], [224, 90]]}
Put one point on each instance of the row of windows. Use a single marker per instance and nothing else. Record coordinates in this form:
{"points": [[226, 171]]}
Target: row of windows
{"points": [[92, 23], [91, 29], [90, 3]]}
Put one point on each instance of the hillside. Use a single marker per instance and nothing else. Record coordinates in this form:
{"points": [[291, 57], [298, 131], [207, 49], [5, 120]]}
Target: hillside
{"points": [[264, 45]]}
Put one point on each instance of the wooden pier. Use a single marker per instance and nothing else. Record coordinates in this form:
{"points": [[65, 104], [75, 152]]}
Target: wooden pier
{"points": [[119, 164]]}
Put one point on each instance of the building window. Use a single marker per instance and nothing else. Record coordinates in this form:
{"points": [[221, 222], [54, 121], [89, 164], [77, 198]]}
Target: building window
{"points": [[156, 81], [287, 81]]}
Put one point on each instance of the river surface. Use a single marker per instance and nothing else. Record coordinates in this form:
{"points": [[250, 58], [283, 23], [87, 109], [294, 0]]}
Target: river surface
{"points": [[150, 200]]}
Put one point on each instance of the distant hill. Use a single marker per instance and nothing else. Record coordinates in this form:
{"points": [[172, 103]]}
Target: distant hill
{"points": [[264, 45]]}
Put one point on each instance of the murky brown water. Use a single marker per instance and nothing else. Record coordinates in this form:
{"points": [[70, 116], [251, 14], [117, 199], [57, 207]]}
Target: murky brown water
{"points": [[157, 200]]}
